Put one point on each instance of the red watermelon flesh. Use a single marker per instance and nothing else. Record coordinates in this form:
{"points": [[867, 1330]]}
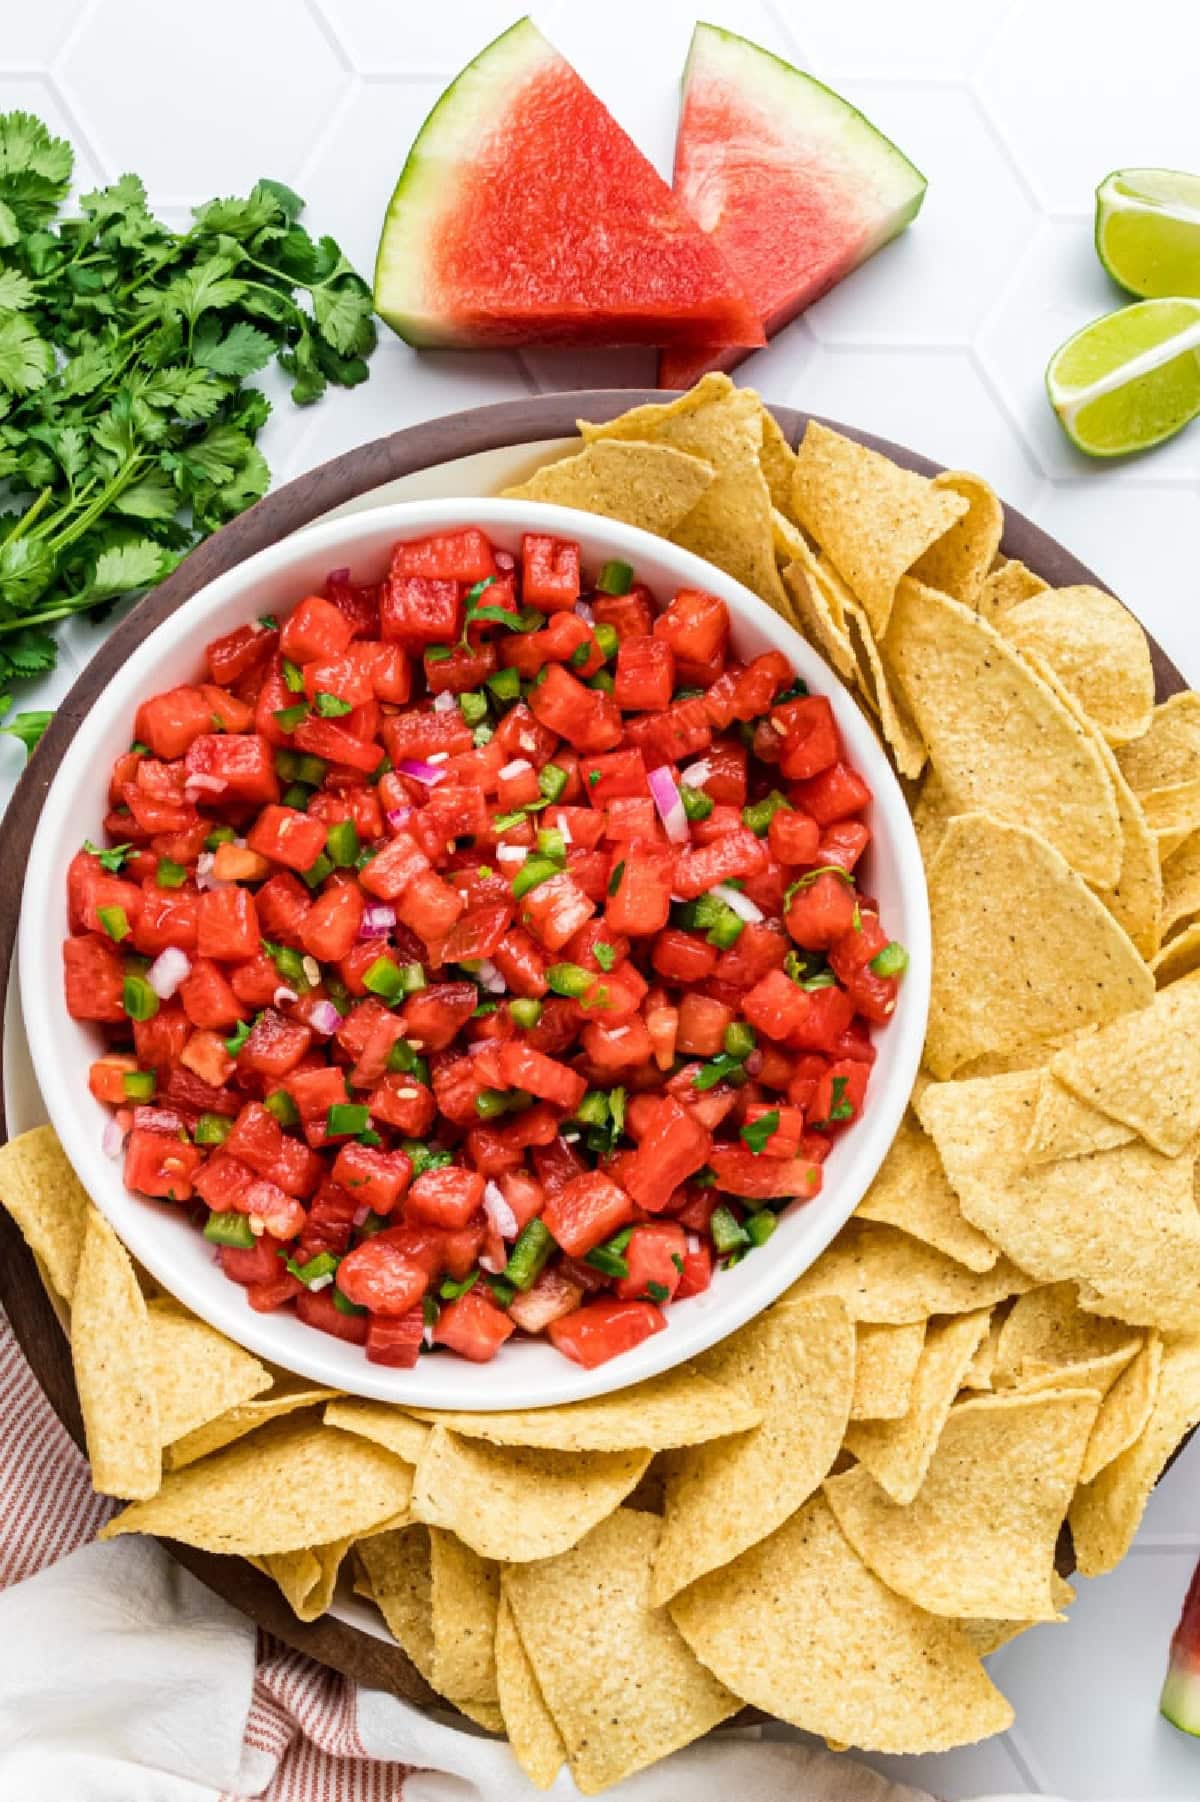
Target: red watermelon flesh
{"points": [[794, 186], [525, 215]]}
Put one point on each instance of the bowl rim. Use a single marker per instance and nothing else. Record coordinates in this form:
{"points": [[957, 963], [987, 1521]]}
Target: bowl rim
{"points": [[319, 1357]]}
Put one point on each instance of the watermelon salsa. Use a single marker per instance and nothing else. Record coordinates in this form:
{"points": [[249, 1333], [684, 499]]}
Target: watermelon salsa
{"points": [[480, 951]]}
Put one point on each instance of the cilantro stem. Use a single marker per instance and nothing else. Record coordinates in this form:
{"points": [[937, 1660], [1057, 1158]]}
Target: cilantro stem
{"points": [[57, 540], [27, 518]]}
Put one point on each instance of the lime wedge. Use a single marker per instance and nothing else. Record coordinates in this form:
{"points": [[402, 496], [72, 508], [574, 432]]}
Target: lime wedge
{"points": [[1148, 230], [1129, 380]]}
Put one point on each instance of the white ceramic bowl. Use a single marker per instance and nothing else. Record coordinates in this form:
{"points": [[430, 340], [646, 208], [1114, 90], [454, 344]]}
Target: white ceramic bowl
{"points": [[529, 1373]]}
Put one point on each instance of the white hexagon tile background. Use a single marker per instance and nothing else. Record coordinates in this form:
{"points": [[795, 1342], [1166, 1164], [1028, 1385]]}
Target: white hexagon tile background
{"points": [[1014, 109]]}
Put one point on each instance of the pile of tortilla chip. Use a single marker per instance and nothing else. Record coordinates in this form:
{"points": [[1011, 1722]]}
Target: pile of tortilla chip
{"points": [[839, 1512]]}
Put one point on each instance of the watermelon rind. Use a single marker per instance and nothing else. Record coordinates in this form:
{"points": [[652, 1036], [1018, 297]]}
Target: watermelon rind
{"points": [[887, 187], [805, 105], [1180, 1702], [482, 92]]}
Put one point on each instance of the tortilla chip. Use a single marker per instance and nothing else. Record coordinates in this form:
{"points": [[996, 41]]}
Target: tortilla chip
{"points": [[1178, 958], [895, 722], [519, 1502], [885, 1364], [978, 1540], [778, 462], [648, 485], [910, 1191], [871, 518], [1169, 749], [1063, 1126], [1172, 811], [989, 1636], [114, 1367], [1135, 900], [1004, 586], [1046, 1329], [198, 1374], [288, 1396], [389, 1427], [981, 1371], [620, 1682], [1181, 885], [959, 561], [464, 1597], [680, 1407], [1000, 738], [307, 1577], [1123, 1221], [294, 1483], [992, 889], [1167, 843], [1125, 1410], [48, 1202], [1097, 650], [398, 1569], [932, 813], [535, 1740], [1144, 1069], [898, 1453], [1106, 1513], [889, 1279], [798, 1365], [812, 1636], [731, 523], [815, 607]]}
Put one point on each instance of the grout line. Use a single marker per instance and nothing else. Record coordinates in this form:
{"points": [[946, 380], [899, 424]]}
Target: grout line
{"points": [[328, 31]]}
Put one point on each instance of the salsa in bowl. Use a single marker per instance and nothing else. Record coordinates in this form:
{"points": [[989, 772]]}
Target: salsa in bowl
{"points": [[510, 946]]}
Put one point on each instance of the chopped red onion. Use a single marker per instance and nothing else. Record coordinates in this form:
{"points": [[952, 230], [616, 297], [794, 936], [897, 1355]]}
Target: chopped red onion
{"points": [[696, 774], [498, 1211], [444, 703], [158, 1119], [199, 784], [512, 853], [743, 907], [517, 767], [436, 757], [398, 817], [504, 560], [754, 1063], [491, 978], [205, 880], [377, 921], [283, 995], [564, 826], [669, 803], [692, 1241], [360, 1215], [428, 773], [169, 969], [324, 1017], [493, 1265], [585, 613], [338, 575], [112, 1139]]}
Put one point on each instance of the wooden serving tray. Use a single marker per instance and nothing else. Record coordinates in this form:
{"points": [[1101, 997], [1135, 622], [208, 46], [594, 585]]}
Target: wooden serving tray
{"points": [[347, 481]]}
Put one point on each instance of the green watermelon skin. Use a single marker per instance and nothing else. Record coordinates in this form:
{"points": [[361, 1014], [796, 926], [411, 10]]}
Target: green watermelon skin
{"points": [[1181, 1692], [794, 186], [525, 215]]}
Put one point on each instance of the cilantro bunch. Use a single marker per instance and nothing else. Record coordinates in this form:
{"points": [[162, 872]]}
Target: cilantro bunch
{"points": [[127, 428]]}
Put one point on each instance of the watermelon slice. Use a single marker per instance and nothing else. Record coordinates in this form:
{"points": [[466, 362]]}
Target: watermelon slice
{"points": [[1181, 1691], [525, 215], [793, 185]]}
